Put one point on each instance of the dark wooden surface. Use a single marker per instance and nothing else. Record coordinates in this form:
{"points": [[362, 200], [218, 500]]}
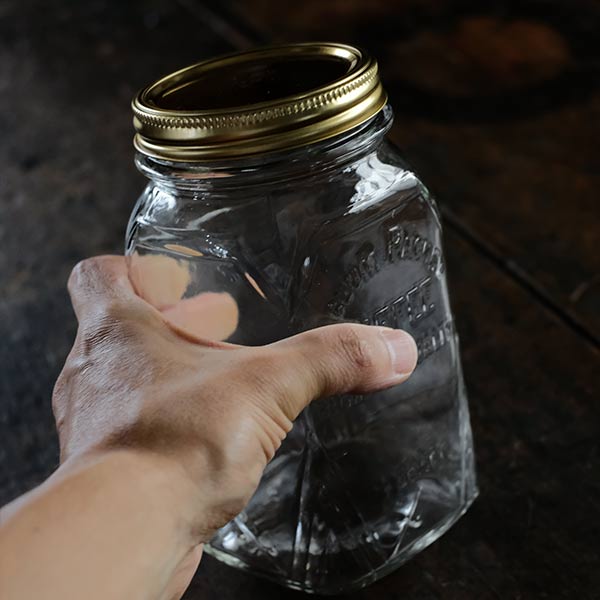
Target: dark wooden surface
{"points": [[498, 108]]}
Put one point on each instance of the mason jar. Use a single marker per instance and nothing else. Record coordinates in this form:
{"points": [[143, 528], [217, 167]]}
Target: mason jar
{"points": [[274, 190]]}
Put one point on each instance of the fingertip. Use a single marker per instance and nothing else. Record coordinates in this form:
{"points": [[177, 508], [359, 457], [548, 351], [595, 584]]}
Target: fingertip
{"points": [[402, 350], [159, 279], [210, 316]]}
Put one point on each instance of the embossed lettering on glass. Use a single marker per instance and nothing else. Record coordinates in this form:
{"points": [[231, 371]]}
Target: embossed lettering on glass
{"points": [[271, 180]]}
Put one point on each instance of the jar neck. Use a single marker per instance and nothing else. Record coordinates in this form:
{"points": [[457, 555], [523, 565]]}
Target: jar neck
{"points": [[312, 161]]}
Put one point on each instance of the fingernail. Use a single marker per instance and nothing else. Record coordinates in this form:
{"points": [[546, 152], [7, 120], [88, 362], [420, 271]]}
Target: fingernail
{"points": [[402, 349]]}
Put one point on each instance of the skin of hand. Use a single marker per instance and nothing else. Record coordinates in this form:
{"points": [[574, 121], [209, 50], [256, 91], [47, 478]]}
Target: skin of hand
{"points": [[164, 435]]}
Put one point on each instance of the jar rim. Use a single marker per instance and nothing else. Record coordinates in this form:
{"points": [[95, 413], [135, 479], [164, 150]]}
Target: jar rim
{"points": [[257, 101]]}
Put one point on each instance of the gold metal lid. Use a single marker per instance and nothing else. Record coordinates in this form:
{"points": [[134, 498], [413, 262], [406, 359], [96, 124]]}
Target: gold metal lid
{"points": [[257, 101]]}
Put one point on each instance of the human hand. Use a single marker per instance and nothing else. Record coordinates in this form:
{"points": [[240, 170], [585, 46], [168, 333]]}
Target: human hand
{"points": [[211, 413]]}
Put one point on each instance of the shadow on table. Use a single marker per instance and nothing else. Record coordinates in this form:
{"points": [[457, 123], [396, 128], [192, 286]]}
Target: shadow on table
{"points": [[216, 581], [465, 564]]}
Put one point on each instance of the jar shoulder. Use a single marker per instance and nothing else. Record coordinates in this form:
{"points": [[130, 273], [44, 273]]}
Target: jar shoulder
{"points": [[376, 181]]}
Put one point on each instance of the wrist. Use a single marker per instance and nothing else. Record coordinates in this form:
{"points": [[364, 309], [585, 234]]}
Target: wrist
{"points": [[157, 486], [121, 512]]}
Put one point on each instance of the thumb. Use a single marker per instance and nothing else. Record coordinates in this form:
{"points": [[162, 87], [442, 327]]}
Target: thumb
{"points": [[338, 359]]}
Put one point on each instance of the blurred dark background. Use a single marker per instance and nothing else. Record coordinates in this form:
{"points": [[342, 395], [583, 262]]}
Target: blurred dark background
{"points": [[498, 108]]}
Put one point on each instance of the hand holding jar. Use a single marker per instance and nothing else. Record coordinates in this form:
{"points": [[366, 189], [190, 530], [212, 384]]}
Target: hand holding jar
{"points": [[164, 436]]}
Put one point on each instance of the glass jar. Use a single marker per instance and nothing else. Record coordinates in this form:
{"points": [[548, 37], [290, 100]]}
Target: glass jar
{"points": [[272, 183]]}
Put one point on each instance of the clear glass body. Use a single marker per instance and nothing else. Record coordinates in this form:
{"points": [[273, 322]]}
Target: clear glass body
{"points": [[338, 231]]}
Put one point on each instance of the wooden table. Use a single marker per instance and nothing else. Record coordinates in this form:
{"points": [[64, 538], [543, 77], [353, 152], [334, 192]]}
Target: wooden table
{"points": [[498, 108]]}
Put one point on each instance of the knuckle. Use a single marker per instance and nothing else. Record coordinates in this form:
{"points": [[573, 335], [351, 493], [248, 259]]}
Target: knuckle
{"points": [[351, 358], [357, 352], [62, 393], [58, 395], [81, 272]]}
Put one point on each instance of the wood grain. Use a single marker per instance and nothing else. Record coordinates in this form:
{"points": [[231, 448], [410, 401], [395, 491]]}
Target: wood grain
{"points": [[498, 108], [518, 191]]}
